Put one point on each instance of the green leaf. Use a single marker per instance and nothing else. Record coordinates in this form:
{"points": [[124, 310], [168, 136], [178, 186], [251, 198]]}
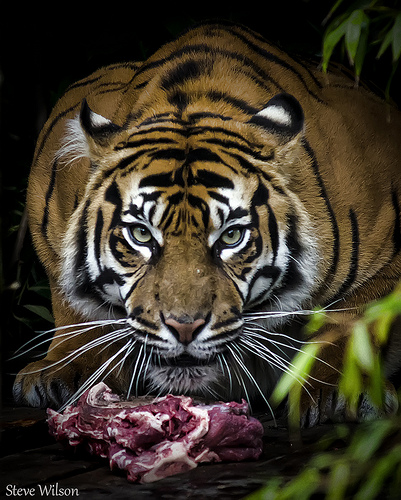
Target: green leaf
{"points": [[330, 40], [316, 321], [381, 472], [338, 481], [332, 10], [362, 347], [41, 311], [302, 486], [353, 31], [299, 370], [361, 50], [351, 384], [396, 45], [385, 43], [362, 449]]}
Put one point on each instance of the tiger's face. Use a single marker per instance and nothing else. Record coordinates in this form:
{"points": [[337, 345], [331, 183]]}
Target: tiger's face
{"points": [[182, 231]]}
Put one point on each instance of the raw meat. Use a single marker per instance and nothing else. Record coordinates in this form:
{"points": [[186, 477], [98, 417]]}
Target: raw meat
{"points": [[158, 439]]}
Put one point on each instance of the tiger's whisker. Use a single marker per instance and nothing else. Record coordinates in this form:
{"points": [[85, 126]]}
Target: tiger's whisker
{"points": [[81, 350], [134, 372], [278, 362], [94, 377], [93, 325], [291, 347], [224, 367], [145, 371], [258, 328], [244, 368], [138, 378], [287, 369]]}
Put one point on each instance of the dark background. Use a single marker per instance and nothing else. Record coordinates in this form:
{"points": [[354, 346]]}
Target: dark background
{"points": [[42, 52]]}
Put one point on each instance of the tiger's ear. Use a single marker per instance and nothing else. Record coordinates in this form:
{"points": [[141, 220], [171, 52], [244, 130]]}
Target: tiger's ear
{"points": [[282, 117], [96, 127], [86, 136]]}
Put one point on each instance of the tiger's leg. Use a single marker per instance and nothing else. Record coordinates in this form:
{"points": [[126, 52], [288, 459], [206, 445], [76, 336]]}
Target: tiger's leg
{"points": [[320, 401], [70, 360]]}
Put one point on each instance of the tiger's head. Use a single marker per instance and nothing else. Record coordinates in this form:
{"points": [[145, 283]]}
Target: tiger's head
{"points": [[187, 223]]}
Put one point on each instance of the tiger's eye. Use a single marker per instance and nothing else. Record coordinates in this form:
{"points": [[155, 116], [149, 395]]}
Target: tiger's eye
{"points": [[231, 236], [140, 234]]}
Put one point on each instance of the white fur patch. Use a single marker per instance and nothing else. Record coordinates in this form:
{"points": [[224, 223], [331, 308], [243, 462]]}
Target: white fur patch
{"points": [[276, 114], [74, 145], [99, 120]]}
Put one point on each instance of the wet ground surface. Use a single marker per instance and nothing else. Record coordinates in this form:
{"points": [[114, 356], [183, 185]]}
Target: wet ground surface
{"points": [[32, 465]]}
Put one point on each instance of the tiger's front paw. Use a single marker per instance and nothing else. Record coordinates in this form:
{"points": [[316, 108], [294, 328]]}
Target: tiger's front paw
{"points": [[326, 404], [42, 385]]}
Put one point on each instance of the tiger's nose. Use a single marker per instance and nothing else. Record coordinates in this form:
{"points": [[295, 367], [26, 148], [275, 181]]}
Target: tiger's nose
{"points": [[184, 331]]}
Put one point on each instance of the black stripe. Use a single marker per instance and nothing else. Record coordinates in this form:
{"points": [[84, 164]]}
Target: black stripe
{"points": [[354, 259], [83, 285], [145, 142], [114, 242], [180, 100], [219, 197], [218, 96], [225, 323], [237, 213], [397, 222], [227, 144], [176, 198], [270, 272], [292, 237], [113, 196], [259, 77], [275, 59], [292, 278], [167, 217], [83, 83], [200, 204], [98, 237], [210, 179], [188, 70], [273, 232], [168, 179], [246, 165], [122, 164], [194, 117], [148, 324], [203, 155], [201, 129], [169, 154], [333, 221], [107, 277], [49, 193]]}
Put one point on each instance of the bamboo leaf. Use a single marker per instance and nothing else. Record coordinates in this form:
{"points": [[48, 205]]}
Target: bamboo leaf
{"points": [[301, 366], [41, 311], [362, 347], [381, 472], [396, 43], [338, 481], [385, 43], [362, 449], [332, 10], [331, 39], [353, 33]]}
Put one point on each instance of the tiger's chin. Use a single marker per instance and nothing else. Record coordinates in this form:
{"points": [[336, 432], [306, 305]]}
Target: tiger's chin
{"points": [[194, 380]]}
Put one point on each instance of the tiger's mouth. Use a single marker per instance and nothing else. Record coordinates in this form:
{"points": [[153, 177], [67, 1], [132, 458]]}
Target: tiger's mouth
{"points": [[182, 374], [185, 361]]}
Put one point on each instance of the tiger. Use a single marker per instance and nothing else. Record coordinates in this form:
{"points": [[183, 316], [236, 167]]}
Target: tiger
{"points": [[189, 210]]}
